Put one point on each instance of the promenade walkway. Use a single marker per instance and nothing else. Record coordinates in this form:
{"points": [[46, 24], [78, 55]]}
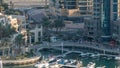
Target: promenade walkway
{"points": [[88, 45], [22, 61], [58, 46], [83, 45]]}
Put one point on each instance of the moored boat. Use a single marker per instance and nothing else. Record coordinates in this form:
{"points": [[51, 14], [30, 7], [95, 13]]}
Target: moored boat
{"points": [[117, 58], [43, 64]]}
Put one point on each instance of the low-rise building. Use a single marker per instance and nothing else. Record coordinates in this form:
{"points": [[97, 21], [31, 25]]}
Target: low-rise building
{"points": [[90, 29], [116, 30], [35, 17]]}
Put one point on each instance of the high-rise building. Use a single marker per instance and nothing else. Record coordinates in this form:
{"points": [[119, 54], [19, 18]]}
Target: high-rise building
{"points": [[27, 3], [85, 7], [118, 8], [105, 11], [73, 7]]}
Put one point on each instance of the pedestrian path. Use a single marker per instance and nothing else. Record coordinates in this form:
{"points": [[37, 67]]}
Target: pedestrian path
{"points": [[100, 48]]}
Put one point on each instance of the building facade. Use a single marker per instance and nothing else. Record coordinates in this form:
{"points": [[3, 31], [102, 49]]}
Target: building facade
{"points": [[26, 3], [116, 31], [101, 12], [90, 29], [73, 7], [105, 11]]}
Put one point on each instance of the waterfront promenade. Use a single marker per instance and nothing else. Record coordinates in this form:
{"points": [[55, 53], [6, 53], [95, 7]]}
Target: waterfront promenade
{"points": [[21, 61], [89, 45], [93, 46]]}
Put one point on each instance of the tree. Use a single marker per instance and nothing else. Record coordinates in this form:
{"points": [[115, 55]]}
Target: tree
{"points": [[58, 24], [14, 12], [5, 34], [1, 8], [28, 37], [6, 31], [5, 44], [1, 31], [19, 41], [5, 5], [45, 23]]}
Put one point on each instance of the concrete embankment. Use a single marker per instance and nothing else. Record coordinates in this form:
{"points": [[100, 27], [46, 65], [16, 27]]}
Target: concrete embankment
{"points": [[21, 61]]}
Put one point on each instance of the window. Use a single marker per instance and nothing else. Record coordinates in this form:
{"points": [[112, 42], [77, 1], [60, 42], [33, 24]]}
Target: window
{"points": [[91, 33], [115, 0], [115, 17], [83, 3], [83, 8], [115, 8]]}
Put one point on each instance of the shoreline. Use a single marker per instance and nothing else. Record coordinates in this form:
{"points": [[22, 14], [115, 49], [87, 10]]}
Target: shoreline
{"points": [[21, 62], [81, 46]]}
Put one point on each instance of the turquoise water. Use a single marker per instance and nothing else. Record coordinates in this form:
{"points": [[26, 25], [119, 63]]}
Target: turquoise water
{"points": [[99, 62]]}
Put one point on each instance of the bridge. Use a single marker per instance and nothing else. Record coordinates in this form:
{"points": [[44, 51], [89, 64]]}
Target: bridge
{"points": [[87, 46], [73, 51], [58, 46]]}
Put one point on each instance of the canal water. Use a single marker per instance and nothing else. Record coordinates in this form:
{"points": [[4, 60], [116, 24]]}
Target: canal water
{"points": [[51, 52]]}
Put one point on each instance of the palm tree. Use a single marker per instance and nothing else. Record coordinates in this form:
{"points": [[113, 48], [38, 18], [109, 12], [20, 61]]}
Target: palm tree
{"points": [[19, 41], [28, 37], [6, 31], [58, 24], [1, 30], [5, 5], [4, 45], [45, 23], [5, 34]]}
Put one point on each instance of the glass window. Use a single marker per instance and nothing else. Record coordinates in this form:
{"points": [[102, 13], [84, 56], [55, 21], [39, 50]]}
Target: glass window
{"points": [[115, 17], [114, 7], [82, 3], [115, 0], [83, 8]]}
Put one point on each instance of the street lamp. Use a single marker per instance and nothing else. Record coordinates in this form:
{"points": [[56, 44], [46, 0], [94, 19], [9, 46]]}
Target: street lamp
{"points": [[41, 32], [62, 47]]}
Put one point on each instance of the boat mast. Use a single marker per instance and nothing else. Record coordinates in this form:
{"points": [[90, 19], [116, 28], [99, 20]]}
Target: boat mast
{"points": [[104, 52], [62, 47]]}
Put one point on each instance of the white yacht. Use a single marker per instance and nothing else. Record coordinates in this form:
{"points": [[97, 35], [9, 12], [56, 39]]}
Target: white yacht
{"points": [[117, 58], [91, 65], [83, 55], [95, 55]]}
